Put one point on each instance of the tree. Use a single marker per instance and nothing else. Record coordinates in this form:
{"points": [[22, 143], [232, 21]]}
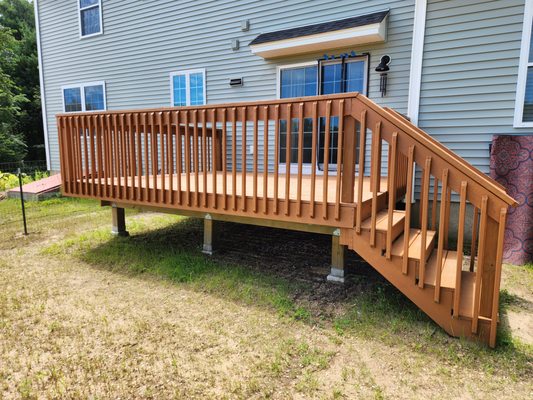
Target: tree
{"points": [[19, 86]]}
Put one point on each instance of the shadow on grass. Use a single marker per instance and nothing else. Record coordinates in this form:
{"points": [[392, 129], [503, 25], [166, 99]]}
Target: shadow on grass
{"points": [[285, 271]]}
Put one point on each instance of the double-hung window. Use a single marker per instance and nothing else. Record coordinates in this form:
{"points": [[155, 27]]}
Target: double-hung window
{"points": [[309, 79], [90, 17], [524, 91], [84, 97], [187, 88]]}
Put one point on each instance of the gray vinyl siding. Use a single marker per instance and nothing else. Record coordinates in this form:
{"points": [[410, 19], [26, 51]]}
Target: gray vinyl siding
{"points": [[144, 41], [469, 76]]}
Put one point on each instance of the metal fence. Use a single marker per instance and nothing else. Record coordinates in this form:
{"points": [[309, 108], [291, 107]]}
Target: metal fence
{"points": [[27, 167]]}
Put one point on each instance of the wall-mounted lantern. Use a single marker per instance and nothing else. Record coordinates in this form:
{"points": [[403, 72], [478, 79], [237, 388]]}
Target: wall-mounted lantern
{"points": [[383, 68]]}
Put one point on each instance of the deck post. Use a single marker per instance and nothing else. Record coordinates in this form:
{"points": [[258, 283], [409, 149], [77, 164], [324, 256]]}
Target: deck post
{"points": [[349, 149], [118, 216], [208, 235], [337, 259]]}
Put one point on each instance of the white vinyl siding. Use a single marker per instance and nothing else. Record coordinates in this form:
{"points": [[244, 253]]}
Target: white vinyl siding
{"points": [[143, 43]]}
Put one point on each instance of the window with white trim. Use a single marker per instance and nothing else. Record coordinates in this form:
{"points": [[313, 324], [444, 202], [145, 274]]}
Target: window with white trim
{"points": [[90, 17], [187, 88], [84, 97], [524, 92], [309, 79]]}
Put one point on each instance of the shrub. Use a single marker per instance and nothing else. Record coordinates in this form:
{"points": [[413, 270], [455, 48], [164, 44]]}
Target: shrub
{"points": [[8, 181]]}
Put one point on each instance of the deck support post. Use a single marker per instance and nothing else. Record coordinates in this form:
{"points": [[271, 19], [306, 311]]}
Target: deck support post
{"points": [[208, 235], [118, 227], [337, 258]]}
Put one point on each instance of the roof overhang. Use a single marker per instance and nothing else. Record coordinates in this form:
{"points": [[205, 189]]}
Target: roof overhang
{"points": [[355, 36]]}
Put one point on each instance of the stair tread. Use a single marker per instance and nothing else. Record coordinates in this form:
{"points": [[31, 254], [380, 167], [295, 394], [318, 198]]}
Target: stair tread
{"points": [[382, 220], [415, 243], [468, 280], [449, 269]]}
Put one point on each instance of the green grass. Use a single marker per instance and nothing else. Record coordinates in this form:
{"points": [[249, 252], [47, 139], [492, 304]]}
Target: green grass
{"points": [[167, 247]]}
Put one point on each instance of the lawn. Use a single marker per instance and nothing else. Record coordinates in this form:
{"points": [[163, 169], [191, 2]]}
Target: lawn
{"points": [[84, 314]]}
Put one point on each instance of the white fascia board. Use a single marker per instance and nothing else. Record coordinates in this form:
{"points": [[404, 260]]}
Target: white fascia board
{"points": [[372, 33]]}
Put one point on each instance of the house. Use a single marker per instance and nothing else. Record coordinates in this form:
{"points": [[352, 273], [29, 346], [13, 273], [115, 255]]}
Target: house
{"points": [[460, 71]]}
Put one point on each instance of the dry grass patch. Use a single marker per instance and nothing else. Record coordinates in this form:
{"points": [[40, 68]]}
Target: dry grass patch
{"points": [[86, 315]]}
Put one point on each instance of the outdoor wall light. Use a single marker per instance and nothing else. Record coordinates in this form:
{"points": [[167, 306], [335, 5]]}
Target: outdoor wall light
{"points": [[383, 68]]}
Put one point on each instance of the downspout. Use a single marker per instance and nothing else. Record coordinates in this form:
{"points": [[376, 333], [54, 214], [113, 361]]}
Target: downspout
{"points": [[41, 84], [415, 75]]}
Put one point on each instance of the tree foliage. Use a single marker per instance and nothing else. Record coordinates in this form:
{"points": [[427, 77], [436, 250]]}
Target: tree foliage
{"points": [[21, 132]]}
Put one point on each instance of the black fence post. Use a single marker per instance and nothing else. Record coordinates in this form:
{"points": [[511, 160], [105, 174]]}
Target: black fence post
{"points": [[22, 202]]}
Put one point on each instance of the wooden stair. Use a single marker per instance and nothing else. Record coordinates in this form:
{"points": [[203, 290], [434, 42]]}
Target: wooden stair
{"points": [[441, 311]]}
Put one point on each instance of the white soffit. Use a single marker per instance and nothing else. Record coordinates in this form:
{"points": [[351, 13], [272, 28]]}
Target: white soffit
{"points": [[365, 34]]}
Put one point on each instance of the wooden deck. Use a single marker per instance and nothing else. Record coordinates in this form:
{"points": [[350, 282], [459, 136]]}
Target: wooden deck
{"points": [[141, 184], [189, 160]]}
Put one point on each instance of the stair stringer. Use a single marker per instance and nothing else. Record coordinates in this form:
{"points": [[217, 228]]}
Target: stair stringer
{"points": [[391, 270]]}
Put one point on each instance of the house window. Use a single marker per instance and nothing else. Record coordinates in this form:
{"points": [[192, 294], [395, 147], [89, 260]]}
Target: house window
{"points": [[336, 76], [187, 88], [84, 97], [524, 92], [90, 17]]}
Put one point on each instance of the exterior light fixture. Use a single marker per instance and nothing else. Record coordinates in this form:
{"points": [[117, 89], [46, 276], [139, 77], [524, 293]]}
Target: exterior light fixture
{"points": [[383, 68]]}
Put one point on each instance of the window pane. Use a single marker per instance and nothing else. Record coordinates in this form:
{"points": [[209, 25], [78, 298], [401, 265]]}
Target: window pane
{"points": [[355, 75], [331, 78], [528, 101], [196, 86], [531, 47], [87, 3], [298, 82], [333, 140], [178, 86], [94, 98], [72, 98], [307, 141], [90, 21]]}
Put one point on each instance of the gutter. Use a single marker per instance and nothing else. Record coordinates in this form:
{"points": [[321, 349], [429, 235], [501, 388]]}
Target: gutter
{"points": [[41, 84]]}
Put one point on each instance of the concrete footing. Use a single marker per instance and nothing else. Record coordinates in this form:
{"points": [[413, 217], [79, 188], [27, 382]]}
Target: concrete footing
{"points": [[208, 235], [337, 259], [118, 227]]}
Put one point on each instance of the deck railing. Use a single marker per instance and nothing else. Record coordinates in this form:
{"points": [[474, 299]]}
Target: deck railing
{"points": [[255, 159]]}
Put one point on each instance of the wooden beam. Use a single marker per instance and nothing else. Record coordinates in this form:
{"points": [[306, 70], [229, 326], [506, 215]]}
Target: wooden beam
{"points": [[208, 235], [337, 259]]}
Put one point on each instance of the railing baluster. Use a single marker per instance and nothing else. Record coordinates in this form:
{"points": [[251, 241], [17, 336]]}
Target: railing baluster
{"points": [[300, 159], [139, 165], [196, 162], [325, 177], [407, 221], [340, 144], [147, 193], [361, 172], [434, 205], [161, 147], [187, 150], [124, 156], [276, 158], [204, 158], [92, 159], [480, 261], [99, 156], [475, 222], [131, 154], [255, 157], [243, 166], [391, 177], [375, 172], [440, 245], [234, 158], [214, 160], [224, 158], [179, 158], [170, 156], [313, 159], [424, 223], [288, 141], [86, 157], [265, 160], [116, 157], [155, 157], [460, 243], [69, 149], [497, 278]]}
